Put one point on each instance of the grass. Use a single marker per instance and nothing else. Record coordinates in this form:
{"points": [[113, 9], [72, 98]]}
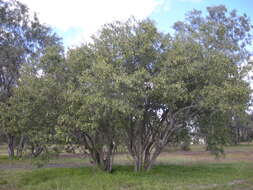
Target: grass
{"points": [[194, 170], [3, 149], [178, 177]]}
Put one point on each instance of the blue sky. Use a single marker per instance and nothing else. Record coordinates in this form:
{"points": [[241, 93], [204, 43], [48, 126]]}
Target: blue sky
{"points": [[176, 10], [76, 20]]}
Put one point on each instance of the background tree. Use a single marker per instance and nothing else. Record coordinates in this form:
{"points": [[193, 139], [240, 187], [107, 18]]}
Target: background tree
{"points": [[228, 34], [32, 111], [22, 39], [242, 128]]}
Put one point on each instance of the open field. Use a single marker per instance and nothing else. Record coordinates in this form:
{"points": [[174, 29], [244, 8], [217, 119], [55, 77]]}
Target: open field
{"points": [[176, 170]]}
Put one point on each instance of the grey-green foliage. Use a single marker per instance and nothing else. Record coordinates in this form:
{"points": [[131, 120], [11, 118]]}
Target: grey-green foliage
{"points": [[223, 37], [22, 43], [22, 37], [90, 107], [159, 85], [29, 116], [31, 112], [138, 86], [220, 29], [106, 89]]}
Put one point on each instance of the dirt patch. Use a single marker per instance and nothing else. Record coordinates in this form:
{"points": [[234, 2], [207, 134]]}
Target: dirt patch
{"points": [[208, 186], [66, 160]]}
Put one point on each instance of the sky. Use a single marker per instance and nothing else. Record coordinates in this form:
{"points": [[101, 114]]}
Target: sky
{"points": [[76, 20]]}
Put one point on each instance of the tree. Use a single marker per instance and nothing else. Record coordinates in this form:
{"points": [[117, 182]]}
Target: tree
{"points": [[228, 34], [204, 84], [22, 39], [91, 107], [136, 51], [31, 113], [166, 88], [241, 128]]}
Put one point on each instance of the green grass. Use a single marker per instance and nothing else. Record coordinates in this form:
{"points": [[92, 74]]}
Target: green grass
{"points": [[178, 177], [194, 170]]}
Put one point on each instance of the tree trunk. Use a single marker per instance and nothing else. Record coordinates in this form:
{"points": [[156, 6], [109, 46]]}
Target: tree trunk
{"points": [[144, 162], [20, 146], [107, 164], [11, 146], [149, 162], [138, 164], [110, 157], [36, 149], [103, 157]]}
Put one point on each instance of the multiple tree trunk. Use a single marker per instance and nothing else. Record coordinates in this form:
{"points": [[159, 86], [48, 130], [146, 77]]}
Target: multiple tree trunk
{"points": [[101, 148], [103, 156], [242, 134], [146, 139], [15, 143]]}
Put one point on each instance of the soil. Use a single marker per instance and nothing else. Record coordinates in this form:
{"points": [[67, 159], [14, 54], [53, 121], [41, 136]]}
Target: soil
{"points": [[63, 162]]}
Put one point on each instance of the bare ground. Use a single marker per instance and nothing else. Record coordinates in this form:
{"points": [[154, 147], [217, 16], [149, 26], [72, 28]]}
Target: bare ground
{"points": [[66, 160]]}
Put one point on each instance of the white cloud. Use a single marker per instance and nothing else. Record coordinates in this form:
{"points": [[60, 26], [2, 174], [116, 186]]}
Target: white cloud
{"points": [[193, 1], [89, 15]]}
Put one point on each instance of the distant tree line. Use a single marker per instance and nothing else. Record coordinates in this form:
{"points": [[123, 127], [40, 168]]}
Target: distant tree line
{"points": [[131, 86]]}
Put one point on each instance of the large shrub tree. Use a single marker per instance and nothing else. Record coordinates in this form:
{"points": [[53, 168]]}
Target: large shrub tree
{"points": [[31, 113], [22, 39], [171, 84], [200, 81]]}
